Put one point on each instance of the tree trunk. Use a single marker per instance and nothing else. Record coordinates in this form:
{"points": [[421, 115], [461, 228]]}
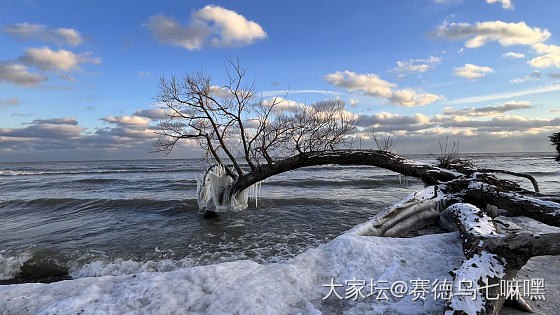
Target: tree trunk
{"points": [[428, 173]]}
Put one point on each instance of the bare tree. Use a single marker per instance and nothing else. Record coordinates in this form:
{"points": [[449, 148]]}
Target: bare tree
{"points": [[448, 152], [384, 141], [234, 126]]}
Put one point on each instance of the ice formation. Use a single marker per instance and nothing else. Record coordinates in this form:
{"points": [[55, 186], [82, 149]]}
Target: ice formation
{"points": [[245, 287], [210, 188]]}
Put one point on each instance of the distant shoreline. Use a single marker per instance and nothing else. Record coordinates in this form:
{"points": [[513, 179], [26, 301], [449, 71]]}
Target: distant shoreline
{"points": [[201, 159]]}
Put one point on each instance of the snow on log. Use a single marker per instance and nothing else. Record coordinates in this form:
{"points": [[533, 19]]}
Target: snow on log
{"points": [[481, 268], [547, 212], [418, 209]]}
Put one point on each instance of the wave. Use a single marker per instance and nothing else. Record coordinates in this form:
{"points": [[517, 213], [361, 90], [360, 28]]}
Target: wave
{"points": [[98, 180], [82, 172], [95, 205]]}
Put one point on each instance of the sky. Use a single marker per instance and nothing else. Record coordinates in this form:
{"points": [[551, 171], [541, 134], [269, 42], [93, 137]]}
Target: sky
{"points": [[78, 80]]}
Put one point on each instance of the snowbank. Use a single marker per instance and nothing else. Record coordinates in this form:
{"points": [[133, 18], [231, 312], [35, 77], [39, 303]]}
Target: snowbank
{"points": [[296, 286], [246, 287]]}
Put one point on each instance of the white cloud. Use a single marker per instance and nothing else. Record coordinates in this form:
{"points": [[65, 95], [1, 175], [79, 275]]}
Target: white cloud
{"points": [[506, 4], [498, 96], [550, 56], [417, 65], [536, 75], [283, 105], [506, 34], [482, 33], [26, 31], [144, 74], [512, 54], [371, 84], [212, 25], [472, 72], [354, 103], [409, 98], [19, 74], [47, 59], [130, 121]]}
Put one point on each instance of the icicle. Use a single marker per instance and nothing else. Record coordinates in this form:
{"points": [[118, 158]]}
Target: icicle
{"points": [[400, 179]]}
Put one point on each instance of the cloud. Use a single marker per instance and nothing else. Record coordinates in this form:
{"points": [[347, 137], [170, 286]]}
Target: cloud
{"points": [[19, 74], [482, 33], [472, 72], [506, 4], [144, 74], [409, 98], [60, 128], [553, 75], [506, 34], [285, 92], [371, 84], [64, 60], [154, 113], [420, 124], [9, 102], [67, 77], [128, 121], [283, 105], [56, 121], [512, 54], [211, 25], [498, 96], [417, 65], [555, 110], [354, 103], [535, 75], [25, 31], [487, 111], [550, 56]]}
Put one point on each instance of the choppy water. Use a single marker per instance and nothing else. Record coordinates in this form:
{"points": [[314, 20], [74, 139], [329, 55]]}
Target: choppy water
{"points": [[116, 217]]}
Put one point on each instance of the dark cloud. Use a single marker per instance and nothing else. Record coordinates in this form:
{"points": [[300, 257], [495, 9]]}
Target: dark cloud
{"points": [[489, 110]]}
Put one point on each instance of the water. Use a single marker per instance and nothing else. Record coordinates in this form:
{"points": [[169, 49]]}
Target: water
{"points": [[117, 217]]}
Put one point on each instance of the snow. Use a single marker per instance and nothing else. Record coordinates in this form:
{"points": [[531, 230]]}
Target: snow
{"points": [[474, 219], [418, 206], [295, 286], [479, 268]]}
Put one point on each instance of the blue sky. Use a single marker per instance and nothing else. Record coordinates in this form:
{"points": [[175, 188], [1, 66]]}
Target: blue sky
{"points": [[66, 66]]}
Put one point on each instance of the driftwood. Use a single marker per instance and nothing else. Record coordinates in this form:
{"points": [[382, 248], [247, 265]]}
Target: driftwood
{"points": [[461, 198]]}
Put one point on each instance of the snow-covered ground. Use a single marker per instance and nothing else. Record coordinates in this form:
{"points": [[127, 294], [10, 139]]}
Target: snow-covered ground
{"points": [[296, 286]]}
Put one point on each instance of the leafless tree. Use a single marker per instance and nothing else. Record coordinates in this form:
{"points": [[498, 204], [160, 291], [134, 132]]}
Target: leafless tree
{"points": [[449, 150], [234, 126], [384, 141]]}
